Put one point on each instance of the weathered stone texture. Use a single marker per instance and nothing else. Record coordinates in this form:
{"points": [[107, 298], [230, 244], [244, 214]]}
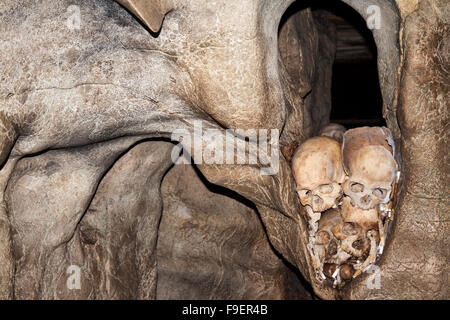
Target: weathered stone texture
{"points": [[74, 101]]}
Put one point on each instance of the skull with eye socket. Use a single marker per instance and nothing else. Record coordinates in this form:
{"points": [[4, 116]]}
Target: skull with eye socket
{"points": [[326, 244], [318, 171], [370, 165]]}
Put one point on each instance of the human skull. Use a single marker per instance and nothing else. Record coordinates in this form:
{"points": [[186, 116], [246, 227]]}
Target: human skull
{"points": [[318, 171], [333, 130], [365, 219], [353, 229], [370, 165], [327, 244], [351, 237]]}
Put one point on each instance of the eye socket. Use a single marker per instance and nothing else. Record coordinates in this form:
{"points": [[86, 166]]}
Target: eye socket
{"points": [[356, 187], [326, 188], [332, 248], [379, 192]]}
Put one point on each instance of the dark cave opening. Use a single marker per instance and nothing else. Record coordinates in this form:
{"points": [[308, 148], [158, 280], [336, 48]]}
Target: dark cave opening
{"points": [[355, 92], [356, 98]]}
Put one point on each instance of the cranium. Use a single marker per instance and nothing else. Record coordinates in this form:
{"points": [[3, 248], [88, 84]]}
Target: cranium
{"points": [[370, 165], [318, 171], [327, 245], [333, 130], [365, 219], [352, 231], [352, 239]]}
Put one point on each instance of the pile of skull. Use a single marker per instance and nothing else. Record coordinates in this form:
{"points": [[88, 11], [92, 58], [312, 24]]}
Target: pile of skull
{"points": [[346, 184]]}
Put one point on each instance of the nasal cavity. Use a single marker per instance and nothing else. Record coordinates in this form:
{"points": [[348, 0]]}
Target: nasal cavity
{"points": [[366, 199]]}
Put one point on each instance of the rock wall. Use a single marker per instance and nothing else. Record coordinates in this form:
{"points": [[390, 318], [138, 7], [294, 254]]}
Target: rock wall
{"points": [[212, 245], [74, 101]]}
